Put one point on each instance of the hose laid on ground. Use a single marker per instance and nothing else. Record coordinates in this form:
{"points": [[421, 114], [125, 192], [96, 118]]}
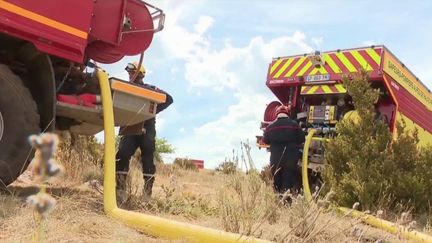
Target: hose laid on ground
{"points": [[149, 224], [366, 218]]}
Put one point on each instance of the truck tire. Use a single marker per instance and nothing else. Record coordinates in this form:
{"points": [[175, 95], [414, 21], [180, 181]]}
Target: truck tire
{"points": [[18, 119]]}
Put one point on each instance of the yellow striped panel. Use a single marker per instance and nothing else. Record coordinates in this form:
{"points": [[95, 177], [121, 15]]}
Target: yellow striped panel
{"points": [[326, 89], [361, 60], [346, 62], [303, 88], [313, 89], [372, 53], [294, 68], [283, 68], [275, 65], [334, 67], [322, 70], [305, 68], [340, 88]]}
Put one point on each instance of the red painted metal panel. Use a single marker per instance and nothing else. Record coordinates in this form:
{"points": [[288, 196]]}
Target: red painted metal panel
{"points": [[130, 42], [75, 13], [107, 24], [353, 61], [49, 35], [199, 163], [278, 67], [411, 107], [369, 59], [289, 67], [338, 63], [299, 68]]}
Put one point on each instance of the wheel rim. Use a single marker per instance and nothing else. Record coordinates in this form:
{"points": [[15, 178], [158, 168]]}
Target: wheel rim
{"points": [[1, 126]]}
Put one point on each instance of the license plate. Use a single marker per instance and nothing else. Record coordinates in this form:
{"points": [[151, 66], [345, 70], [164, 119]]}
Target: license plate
{"points": [[315, 78]]}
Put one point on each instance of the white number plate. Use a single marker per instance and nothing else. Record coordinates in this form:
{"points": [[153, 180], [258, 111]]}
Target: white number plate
{"points": [[315, 78]]}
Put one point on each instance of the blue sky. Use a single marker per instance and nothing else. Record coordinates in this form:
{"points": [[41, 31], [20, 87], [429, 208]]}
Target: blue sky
{"points": [[212, 57]]}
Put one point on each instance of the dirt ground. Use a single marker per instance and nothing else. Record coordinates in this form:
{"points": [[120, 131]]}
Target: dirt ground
{"points": [[181, 195]]}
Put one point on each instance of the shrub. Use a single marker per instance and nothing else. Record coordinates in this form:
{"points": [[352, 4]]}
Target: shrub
{"points": [[366, 165], [227, 167], [81, 156], [245, 202], [162, 147], [266, 175], [185, 164]]}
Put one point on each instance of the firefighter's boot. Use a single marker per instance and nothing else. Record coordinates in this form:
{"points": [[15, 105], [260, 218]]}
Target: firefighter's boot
{"points": [[148, 186], [121, 187], [121, 181]]}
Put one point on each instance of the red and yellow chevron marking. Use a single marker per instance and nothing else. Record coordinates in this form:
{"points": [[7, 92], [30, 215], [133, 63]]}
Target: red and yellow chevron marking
{"points": [[335, 63], [323, 89]]}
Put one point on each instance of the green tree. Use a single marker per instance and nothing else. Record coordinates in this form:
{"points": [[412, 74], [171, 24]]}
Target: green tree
{"points": [[162, 147], [366, 164]]}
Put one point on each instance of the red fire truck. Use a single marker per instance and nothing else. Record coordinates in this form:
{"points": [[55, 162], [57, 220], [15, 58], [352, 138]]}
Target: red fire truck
{"points": [[46, 51], [311, 84]]}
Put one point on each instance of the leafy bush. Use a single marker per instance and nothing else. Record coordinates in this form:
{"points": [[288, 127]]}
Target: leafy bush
{"points": [[162, 147], [366, 165], [227, 167]]}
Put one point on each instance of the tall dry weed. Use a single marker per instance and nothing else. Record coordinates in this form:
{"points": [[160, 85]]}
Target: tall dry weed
{"points": [[82, 157], [245, 203]]}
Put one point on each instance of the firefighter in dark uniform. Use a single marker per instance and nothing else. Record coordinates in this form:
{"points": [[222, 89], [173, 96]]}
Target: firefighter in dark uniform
{"points": [[141, 135], [285, 138]]}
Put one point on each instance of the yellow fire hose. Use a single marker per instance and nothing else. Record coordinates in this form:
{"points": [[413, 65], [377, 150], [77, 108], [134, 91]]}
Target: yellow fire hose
{"points": [[366, 218], [152, 225]]}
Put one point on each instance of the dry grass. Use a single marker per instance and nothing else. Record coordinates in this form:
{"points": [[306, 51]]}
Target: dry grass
{"points": [[76, 218], [207, 198], [81, 157], [248, 206]]}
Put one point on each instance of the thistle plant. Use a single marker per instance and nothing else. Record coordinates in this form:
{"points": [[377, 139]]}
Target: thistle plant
{"points": [[43, 167]]}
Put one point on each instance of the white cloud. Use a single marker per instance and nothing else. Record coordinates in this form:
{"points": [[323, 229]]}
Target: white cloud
{"points": [[177, 40], [160, 123], [368, 43], [174, 70], [317, 41], [231, 66], [241, 71], [204, 23]]}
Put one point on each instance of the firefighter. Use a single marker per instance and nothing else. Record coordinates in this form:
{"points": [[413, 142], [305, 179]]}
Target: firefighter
{"points": [[141, 135], [285, 138]]}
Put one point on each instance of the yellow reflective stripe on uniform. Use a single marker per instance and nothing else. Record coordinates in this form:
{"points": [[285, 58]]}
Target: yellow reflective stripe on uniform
{"points": [[296, 65], [372, 53], [365, 65], [334, 67], [346, 62], [340, 88], [275, 65], [326, 89], [313, 89], [283, 68], [305, 68]]}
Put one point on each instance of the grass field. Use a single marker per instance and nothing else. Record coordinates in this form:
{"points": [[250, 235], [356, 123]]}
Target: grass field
{"points": [[237, 202]]}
